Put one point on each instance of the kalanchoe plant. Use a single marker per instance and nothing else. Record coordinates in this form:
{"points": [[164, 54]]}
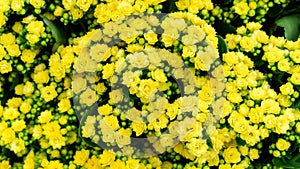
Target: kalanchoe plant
{"points": [[118, 84]]}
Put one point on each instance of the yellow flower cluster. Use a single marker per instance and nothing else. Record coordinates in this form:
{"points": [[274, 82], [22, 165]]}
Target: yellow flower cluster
{"points": [[150, 90], [156, 112], [114, 10], [194, 6]]}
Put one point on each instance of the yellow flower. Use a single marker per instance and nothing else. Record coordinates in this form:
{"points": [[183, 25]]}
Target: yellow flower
{"points": [[172, 110], [247, 43], [206, 93], [58, 70], [256, 115], [295, 78], [108, 70], [75, 12], [58, 11], [37, 3], [17, 145], [81, 157], [151, 37], [123, 137], [2, 19], [261, 36], [167, 39], [37, 132], [36, 27], [92, 163], [287, 89], [155, 161], [118, 164], [84, 4], [14, 102], [68, 4], [28, 88], [8, 135], [105, 110], [284, 65], [116, 96], [230, 58], [138, 127], [251, 136], [41, 77], [270, 121], [258, 93], [13, 50], [112, 122], [88, 97], [274, 55], [107, 157], [132, 163], [2, 52], [270, 106], [51, 129], [282, 124], [100, 52], [48, 93], [282, 144], [25, 107], [253, 154], [146, 88], [17, 5], [63, 120], [138, 60], [159, 75], [197, 147], [45, 116], [79, 84], [234, 97], [241, 8], [232, 155], [28, 56], [4, 6], [252, 26], [295, 55], [88, 130], [57, 141], [18, 125], [32, 38], [64, 105], [128, 34], [5, 164], [10, 113], [5, 67]]}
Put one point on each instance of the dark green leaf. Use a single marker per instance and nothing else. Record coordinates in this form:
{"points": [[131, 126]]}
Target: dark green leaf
{"points": [[14, 83], [297, 104], [275, 11], [222, 46], [57, 32], [291, 25], [240, 141], [224, 28]]}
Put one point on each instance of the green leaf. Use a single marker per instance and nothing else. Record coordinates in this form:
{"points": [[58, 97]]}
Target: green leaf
{"points": [[14, 83], [57, 32], [291, 25], [223, 28], [240, 141], [285, 164], [222, 46], [275, 11], [297, 104]]}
